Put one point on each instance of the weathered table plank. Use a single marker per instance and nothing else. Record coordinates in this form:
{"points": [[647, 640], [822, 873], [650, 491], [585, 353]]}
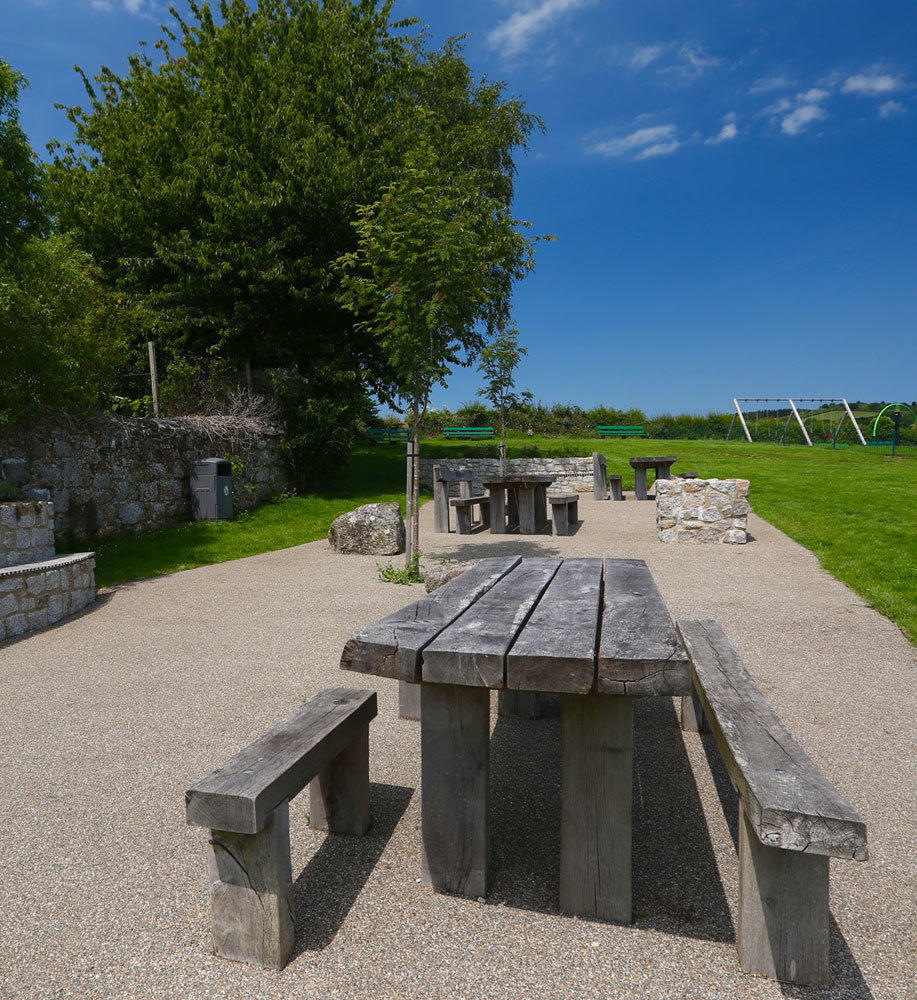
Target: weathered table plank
{"points": [[639, 652], [790, 803], [392, 647], [555, 651], [472, 650]]}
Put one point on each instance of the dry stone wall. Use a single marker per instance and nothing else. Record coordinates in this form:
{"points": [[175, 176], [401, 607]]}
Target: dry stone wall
{"points": [[40, 594], [571, 474], [26, 532], [702, 510], [108, 475]]}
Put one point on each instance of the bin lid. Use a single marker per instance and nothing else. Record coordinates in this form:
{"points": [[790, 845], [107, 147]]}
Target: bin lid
{"points": [[212, 467]]}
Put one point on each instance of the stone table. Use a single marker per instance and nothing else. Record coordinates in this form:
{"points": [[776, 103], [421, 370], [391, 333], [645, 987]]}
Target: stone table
{"points": [[528, 501], [662, 466], [595, 632]]}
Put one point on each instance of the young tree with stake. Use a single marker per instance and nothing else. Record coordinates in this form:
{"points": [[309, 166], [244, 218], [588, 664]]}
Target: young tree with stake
{"points": [[499, 361]]}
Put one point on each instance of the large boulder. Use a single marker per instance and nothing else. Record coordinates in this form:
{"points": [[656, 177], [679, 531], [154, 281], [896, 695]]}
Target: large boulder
{"points": [[375, 529]]}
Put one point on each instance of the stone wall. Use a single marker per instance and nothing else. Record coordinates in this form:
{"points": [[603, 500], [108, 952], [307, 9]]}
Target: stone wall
{"points": [[26, 533], [702, 510], [107, 475], [572, 474], [37, 595]]}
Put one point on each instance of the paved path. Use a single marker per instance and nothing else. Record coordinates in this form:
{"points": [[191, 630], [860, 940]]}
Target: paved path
{"points": [[108, 718]]}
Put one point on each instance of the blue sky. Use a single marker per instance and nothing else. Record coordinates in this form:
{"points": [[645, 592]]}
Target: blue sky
{"points": [[733, 185]]}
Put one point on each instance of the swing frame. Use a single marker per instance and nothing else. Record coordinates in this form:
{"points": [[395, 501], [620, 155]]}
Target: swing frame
{"points": [[740, 416]]}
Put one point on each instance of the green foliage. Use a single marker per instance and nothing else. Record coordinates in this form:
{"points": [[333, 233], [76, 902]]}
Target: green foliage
{"points": [[21, 210], [405, 574], [9, 492], [499, 361], [62, 334]]}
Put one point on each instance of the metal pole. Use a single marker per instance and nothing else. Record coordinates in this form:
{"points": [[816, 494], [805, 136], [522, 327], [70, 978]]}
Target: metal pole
{"points": [[856, 426], [742, 420], [896, 416], [805, 433], [154, 377]]}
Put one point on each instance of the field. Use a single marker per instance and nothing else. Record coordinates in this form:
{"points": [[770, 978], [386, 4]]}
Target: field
{"points": [[853, 508]]}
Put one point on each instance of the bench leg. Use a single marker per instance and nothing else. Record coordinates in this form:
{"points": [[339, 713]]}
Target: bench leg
{"points": [[455, 771], [251, 893], [463, 520], [485, 513], [693, 719], [528, 704], [497, 512], [574, 512], [597, 752], [782, 926], [640, 483], [339, 794], [526, 499], [617, 491], [408, 701], [561, 519], [598, 476]]}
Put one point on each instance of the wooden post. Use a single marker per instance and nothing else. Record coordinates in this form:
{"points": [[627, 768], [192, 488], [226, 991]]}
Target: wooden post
{"points": [[597, 750], [440, 502], [339, 793], [599, 466], [408, 701], [154, 377], [693, 719], [640, 482], [409, 502], [782, 925], [455, 772], [541, 504], [497, 512], [251, 895], [526, 499]]}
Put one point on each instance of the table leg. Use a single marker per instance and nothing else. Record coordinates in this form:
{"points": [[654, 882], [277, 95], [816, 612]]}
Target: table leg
{"points": [[595, 823], [640, 483], [497, 512], [663, 471], [512, 506], [526, 498], [541, 504], [455, 770], [408, 701]]}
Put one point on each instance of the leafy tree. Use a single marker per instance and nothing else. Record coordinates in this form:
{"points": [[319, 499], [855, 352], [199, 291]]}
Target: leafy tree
{"points": [[21, 212], [436, 260], [499, 361]]}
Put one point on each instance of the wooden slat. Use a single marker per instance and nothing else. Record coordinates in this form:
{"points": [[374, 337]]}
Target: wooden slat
{"points": [[392, 647], [789, 802], [555, 651], [240, 796], [639, 653], [472, 650]]}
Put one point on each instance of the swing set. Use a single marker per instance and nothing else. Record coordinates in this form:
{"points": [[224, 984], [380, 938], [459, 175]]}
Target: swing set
{"points": [[829, 435]]}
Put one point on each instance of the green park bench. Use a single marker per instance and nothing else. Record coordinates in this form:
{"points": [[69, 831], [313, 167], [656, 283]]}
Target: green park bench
{"points": [[468, 432], [620, 432], [388, 434]]}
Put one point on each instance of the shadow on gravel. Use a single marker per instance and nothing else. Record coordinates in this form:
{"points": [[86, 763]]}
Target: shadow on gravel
{"points": [[508, 545], [676, 883], [847, 976], [330, 883]]}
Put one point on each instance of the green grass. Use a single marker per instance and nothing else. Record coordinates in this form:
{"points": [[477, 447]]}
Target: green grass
{"points": [[853, 508]]}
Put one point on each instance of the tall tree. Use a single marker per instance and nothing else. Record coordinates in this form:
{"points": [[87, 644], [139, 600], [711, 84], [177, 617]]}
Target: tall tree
{"points": [[499, 361], [434, 268]]}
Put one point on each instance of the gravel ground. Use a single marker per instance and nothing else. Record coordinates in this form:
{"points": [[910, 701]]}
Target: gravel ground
{"points": [[109, 717]]}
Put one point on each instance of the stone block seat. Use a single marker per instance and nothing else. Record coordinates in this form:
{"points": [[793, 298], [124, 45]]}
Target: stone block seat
{"points": [[702, 510], [38, 588]]}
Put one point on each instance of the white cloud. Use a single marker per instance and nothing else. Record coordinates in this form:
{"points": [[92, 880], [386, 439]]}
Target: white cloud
{"points": [[802, 117], [765, 84], [515, 34], [644, 55], [872, 83], [813, 96], [728, 131], [891, 108], [778, 107], [693, 61], [641, 144]]}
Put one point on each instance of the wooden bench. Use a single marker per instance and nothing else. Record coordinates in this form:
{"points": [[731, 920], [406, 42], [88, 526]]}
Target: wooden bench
{"points": [[464, 512], [388, 434], [245, 804], [791, 818], [564, 512], [468, 432], [616, 485], [619, 431], [443, 478]]}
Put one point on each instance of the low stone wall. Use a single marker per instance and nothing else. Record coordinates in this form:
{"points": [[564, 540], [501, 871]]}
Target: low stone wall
{"points": [[702, 510], [26, 532], [40, 594], [107, 475], [571, 474]]}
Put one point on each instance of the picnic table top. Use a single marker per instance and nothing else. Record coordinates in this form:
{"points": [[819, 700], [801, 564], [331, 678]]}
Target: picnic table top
{"points": [[517, 479], [575, 626], [665, 460]]}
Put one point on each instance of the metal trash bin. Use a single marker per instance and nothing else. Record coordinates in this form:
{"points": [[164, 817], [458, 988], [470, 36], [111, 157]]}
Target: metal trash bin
{"points": [[211, 490]]}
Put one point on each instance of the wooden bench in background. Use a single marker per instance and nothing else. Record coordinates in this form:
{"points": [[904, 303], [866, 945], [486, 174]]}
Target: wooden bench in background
{"points": [[564, 512], [791, 818], [245, 804], [388, 434], [468, 432], [464, 512], [619, 431]]}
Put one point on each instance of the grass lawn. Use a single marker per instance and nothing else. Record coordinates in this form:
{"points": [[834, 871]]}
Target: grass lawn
{"points": [[853, 508]]}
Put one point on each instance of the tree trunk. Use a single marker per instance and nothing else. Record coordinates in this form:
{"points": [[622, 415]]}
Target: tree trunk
{"points": [[502, 441], [415, 518], [408, 498]]}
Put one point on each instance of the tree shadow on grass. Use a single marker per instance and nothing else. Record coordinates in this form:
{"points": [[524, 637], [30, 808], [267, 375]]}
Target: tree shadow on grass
{"points": [[329, 885]]}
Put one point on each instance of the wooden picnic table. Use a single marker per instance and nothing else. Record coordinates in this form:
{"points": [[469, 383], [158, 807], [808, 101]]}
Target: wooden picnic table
{"points": [[594, 631], [662, 466], [528, 503]]}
